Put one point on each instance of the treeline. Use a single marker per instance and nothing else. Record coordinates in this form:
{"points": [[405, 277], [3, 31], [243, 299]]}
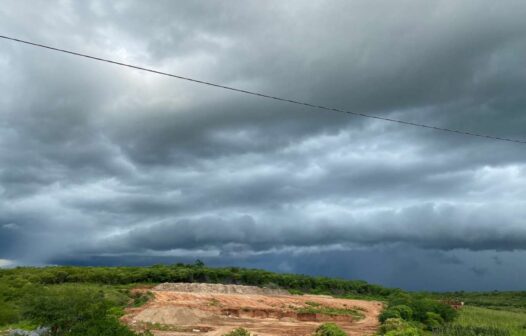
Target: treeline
{"points": [[494, 299], [193, 273]]}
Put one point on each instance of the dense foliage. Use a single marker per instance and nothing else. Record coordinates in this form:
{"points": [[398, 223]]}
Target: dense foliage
{"points": [[73, 311], [399, 327], [329, 329], [407, 313], [193, 273], [316, 308], [88, 300]]}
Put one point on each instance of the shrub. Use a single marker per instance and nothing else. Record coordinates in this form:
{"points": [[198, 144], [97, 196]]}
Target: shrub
{"points": [[407, 331], [238, 332], [398, 327], [433, 321], [74, 312], [404, 311], [389, 314], [420, 306], [103, 327], [392, 324], [140, 298], [8, 314], [329, 329], [62, 308]]}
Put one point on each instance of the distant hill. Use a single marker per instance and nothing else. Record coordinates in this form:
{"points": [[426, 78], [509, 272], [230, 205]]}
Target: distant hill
{"points": [[197, 272]]}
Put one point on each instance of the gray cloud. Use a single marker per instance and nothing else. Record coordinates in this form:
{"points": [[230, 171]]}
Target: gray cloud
{"points": [[98, 161]]}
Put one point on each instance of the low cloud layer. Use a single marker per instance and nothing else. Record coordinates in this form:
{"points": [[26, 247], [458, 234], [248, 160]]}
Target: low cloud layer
{"points": [[103, 163]]}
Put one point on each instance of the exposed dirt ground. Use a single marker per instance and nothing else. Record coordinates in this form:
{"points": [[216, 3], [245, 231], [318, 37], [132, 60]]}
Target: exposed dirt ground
{"points": [[213, 311]]}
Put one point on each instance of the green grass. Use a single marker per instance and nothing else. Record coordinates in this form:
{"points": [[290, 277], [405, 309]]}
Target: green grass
{"points": [[514, 322], [318, 309], [25, 325], [514, 301]]}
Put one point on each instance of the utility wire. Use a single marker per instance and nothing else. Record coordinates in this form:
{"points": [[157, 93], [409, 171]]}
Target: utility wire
{"points": [[253, 93]]}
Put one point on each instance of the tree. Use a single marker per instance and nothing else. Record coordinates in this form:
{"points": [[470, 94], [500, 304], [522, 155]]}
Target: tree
{"points": [[74, 312], [404, 312], [8, 314]]}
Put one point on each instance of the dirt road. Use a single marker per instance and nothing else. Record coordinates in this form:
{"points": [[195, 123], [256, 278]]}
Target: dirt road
{"points": [[205, 310]]}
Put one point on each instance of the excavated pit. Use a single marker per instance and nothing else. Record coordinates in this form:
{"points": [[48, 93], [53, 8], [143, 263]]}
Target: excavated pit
{"points": [[213, 310]]}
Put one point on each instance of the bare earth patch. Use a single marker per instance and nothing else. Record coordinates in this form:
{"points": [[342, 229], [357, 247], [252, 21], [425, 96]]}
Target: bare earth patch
{"points": [[213, 310]]}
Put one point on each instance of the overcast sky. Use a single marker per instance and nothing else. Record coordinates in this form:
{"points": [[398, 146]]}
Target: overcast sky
{"points": [[106, 165]]}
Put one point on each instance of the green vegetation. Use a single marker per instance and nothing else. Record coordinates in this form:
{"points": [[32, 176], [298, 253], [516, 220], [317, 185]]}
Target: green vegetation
{"points": [[194, 273], [318, 309], [74, 311], [62, 308], [89, 300], [140, 298], [509, 301], [458, 330], [399, 327], [329, 329], [214, 302], [326, 329], [486, 314], [238, 332], [484, 321], [67, 308], [408, 314]]}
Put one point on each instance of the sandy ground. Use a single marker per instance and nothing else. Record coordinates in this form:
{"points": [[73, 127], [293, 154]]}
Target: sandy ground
{"points": [[209, 311]]}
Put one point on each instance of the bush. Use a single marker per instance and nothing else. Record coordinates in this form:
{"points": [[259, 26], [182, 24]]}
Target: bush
{"points": [[433, 321], [392, 324], [398, 327], [8, 314], [108, 326], [329, 329], [62, 308], [408, 331], [419, 306], [238, 332], [420, 311], [140, 298], [404, 312], [389, 314], [74, 312]]}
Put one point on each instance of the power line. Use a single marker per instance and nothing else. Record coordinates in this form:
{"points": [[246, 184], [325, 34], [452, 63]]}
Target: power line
{"points": [[253, 93]]}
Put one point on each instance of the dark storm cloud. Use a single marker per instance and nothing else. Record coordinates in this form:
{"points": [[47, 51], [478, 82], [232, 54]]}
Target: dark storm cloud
{"points": [[425, 226], [402, 266], [102, 162]]}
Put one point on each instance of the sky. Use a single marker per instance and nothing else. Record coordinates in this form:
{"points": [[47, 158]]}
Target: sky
{"points": [[105, 165]]}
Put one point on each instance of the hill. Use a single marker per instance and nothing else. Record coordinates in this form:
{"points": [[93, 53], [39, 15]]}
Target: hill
{"points": [[91, 300]]}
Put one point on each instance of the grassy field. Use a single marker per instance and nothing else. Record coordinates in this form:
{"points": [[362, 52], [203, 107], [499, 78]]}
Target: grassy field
{"points": [[512, 321], [510, 301]]}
